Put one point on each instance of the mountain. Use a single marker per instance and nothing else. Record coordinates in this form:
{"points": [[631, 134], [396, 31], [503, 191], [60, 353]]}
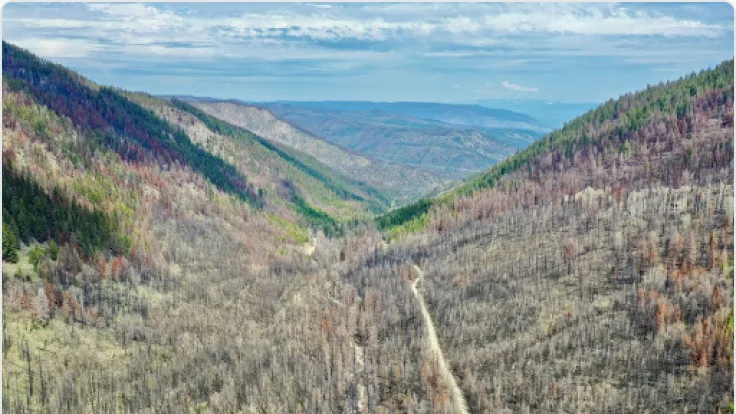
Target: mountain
{"points": [[403, 183], [551, 114], [598, 262], [616, 120], [448, 150], [456, 114]]}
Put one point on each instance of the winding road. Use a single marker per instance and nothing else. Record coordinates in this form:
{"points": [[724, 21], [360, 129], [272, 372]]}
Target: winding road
{"points": [[456, 394]]}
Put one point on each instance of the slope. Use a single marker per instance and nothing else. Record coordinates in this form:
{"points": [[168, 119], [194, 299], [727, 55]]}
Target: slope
{"points": [[106, 111], [282, 173], [142, 272], [404, 183], [594, 271], [452, 151], [610, 129]]}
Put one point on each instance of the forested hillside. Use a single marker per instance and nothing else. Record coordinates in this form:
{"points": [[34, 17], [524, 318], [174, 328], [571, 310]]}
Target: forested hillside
{"points": [[625, 130], [592, 272], [286, 177], [138, 243], [124, 127], [402, 182]]}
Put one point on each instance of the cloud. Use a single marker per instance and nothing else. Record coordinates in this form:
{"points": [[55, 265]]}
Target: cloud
{"points": [[465, 26], [60, 48], [137, 17], [589, 19], [519, 88], [457, 24], [473, 41]]}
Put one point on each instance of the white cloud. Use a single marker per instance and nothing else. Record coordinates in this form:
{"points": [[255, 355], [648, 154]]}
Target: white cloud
{"points": [[138, 17], [579, 19], [590, 19], [50, 23], [159, 50], [447, 30], [516, 87], [59, 48]]}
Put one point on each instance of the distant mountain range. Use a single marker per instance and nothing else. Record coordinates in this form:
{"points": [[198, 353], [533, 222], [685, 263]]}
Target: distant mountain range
{"points": [[450, 140], [550, 113], [456, 114], [403, 183]]}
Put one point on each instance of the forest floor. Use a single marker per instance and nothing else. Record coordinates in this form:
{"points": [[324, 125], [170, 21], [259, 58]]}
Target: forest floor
{"points": [[458, 400], [310, 246], [362, 399]]}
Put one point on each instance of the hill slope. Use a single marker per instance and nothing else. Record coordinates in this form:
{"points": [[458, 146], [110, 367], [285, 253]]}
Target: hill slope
{"points": [[598, 263], [158, 243], [404, 183], [611, 129], [285, 173]]}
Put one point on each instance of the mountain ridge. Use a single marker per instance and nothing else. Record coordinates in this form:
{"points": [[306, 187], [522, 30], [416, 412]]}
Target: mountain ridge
{"points": [[403, 184], [552, 114], [444, 148], [449, 113], [613, 116]]}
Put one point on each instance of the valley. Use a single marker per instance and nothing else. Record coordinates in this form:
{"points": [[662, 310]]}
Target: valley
{"points": [[416, 135], [182, 254], [403, 182]]}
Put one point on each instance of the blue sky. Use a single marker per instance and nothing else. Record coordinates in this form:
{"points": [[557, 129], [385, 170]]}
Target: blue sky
{"points": [[443, 52]]}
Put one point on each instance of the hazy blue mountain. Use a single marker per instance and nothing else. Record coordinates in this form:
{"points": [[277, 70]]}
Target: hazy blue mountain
{"points": [[457, 114], [382, 131], [550, 113], [402, 182]]}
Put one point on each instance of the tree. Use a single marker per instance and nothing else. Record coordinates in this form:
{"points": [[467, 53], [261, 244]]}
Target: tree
{"points": [[53, 250], [35, 256], [42, 306], [10, 244]]}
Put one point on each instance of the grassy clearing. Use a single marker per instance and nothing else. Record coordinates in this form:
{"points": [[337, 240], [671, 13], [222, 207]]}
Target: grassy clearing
{"points": [[292, 232]]}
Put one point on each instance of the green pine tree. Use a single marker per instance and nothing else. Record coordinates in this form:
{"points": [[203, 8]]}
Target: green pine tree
{"points": [[35, 256], [10, 244]]}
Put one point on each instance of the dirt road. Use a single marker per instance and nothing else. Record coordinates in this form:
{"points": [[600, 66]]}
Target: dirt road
{"points": [[458, 400]]}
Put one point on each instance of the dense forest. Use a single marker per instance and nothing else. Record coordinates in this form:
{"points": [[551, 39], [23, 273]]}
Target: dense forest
{"points": [[122, 125], [29, 214], [590, 273]]}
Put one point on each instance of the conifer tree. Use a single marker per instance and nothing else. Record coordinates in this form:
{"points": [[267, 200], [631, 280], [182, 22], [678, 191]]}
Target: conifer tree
{"points": [[10, 244]]}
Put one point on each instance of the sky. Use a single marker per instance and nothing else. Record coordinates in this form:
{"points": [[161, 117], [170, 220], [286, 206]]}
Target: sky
{"points": [[439, 52]]}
